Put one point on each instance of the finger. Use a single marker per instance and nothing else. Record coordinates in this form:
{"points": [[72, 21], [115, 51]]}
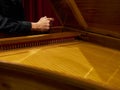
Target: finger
{"points": [[50, 19], [45, 17]]}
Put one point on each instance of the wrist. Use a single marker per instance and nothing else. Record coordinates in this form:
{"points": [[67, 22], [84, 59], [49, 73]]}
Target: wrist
{"points": [[34, 26]]}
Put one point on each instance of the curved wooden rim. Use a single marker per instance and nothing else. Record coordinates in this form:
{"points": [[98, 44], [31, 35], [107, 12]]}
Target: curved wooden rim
{"points": [[47, 77]]}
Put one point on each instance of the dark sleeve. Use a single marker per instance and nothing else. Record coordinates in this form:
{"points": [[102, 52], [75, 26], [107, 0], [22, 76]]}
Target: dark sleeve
{"points": [[8, 25]]}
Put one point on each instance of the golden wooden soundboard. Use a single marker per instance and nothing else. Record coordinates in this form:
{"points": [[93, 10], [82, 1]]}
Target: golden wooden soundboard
{"points": [[69, 58], [61, 60]]}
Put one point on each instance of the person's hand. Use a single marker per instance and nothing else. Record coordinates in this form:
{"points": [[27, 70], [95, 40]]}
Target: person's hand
{"points": [[42, 25]]}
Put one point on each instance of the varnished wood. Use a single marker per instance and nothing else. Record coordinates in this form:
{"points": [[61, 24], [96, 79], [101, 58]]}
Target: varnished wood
{"points": [[78, 64], [101, 14], [40, 78], [36, 40], [75, 60], [77, 13]]}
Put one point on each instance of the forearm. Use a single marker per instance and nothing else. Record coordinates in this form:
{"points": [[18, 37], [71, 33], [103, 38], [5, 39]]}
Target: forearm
{"points": [[8, 25]]}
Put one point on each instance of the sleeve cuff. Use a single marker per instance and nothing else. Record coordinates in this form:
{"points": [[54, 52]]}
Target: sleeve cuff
{"points": [[26, 27]]}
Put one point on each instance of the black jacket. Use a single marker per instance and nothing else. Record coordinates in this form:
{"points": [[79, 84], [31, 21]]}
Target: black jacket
{"points": [[12, 17]]}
